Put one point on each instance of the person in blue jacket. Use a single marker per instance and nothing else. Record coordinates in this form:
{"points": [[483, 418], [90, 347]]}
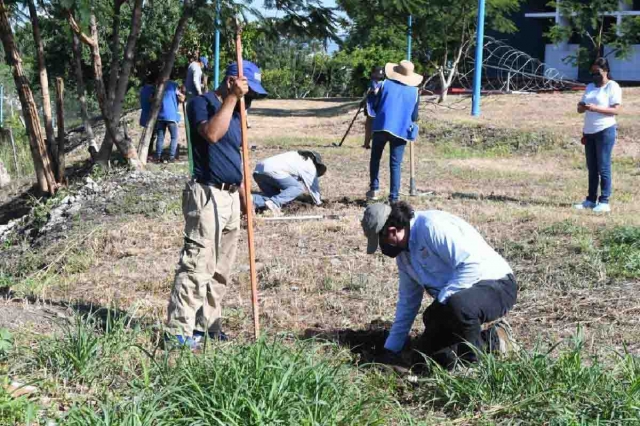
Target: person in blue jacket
{"points": [[395, 111]]}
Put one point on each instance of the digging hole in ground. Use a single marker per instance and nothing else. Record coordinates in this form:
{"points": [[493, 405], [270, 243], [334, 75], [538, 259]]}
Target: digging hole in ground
{"points": [[367, 344]]}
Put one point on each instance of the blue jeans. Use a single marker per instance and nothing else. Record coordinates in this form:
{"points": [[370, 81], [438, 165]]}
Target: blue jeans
{"points": [[161, 127], [598, 149], [280, 191], [380, 139]]}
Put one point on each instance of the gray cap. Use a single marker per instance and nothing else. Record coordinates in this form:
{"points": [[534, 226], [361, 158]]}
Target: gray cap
{"points": [[373, 220]]}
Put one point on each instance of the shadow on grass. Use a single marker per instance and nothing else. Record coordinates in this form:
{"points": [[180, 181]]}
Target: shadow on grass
{"points": [[367, 344], [101, 314], [507, 199], [332, 111]]}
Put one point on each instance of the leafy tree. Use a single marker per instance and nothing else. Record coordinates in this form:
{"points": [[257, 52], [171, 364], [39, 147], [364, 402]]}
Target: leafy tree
{"points": [[588, 21], [442, 29]]}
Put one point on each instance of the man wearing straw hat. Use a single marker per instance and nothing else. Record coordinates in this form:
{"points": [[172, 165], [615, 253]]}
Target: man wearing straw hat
{"points": [[395, 111], [211, 205]]}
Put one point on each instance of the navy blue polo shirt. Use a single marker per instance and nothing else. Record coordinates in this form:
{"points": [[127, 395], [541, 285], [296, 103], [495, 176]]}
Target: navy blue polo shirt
{"points": [[220, 162]]}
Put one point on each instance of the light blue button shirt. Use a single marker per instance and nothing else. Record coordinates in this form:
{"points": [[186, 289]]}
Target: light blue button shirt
{"points": [[446, 255]]}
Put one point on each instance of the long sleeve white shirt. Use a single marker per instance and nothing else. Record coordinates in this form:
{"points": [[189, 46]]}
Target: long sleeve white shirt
{"points": [[193, 83], [446, 255], [292, 164]]}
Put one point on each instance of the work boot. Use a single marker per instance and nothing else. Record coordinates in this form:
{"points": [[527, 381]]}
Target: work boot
{"points": [[273, 207], [172, 342], [219, 336], [373, 195]]}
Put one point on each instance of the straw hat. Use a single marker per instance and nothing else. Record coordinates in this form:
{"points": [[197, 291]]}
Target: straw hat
{"points": [[403, 72]]}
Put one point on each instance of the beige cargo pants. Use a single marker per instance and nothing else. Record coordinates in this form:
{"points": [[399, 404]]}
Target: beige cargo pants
{"points": [[212, 225]]}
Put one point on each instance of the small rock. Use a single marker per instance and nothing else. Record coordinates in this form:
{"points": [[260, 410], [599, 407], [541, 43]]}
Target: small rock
{"points": [[88, 180], [17, 389], [162, 206], [73, 210], [335, 262], [295, 288], [66, 200]]}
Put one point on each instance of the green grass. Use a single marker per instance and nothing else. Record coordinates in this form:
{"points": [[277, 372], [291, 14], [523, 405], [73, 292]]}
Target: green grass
{"points": [[466, 140], [23, 152], [621, 251], [127, 380], [538, 388]]}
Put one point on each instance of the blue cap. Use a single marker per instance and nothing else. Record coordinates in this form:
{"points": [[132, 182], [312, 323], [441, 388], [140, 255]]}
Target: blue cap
{"points": [[251, 72], [204, 61]]}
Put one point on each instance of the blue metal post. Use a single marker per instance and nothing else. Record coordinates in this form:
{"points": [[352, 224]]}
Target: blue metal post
{"points": [[216, 60], [409, 36], [477, 72]]}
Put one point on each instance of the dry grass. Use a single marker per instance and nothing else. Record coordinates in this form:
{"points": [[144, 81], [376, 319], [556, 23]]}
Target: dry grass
{"points": [[317, 275]]}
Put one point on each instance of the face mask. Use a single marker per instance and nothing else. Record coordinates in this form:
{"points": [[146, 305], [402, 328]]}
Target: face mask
{"points": [[597, 78], [390, 250]]}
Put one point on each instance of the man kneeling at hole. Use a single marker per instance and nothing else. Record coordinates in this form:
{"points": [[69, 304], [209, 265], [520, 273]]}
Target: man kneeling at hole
{"points": [[445, 256]]}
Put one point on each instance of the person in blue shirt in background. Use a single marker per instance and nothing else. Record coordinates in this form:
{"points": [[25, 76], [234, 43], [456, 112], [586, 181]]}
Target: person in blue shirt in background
{"points": [[168, 118], [377, 75], [471, 284], [395, 111]]}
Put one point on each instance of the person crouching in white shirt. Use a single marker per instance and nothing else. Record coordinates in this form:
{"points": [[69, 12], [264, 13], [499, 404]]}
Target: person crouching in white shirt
{"points": [[285, 177], [600, 104], [445, 256]]}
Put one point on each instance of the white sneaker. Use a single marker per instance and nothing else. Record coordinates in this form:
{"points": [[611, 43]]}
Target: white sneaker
{"points": [[586, 204], [373, 195], [602, 208], [273, 207]]}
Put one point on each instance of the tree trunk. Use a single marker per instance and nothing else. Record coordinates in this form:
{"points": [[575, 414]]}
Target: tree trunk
{"points": [[123, 143], [42, 165], [60, 163], [44, 80], [115, 53], [77, 54], [169, 60]]}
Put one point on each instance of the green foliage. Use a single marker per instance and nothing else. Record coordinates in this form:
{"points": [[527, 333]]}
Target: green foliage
{"points": [[621, 251], [537, 388], [6, 341], [359, 63], [587, 21], [256, 384], [440, 27], [86, 347], [14, 411]]}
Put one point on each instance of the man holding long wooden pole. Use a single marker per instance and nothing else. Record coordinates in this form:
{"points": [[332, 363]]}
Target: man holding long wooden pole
{"points": [[211, 204]]}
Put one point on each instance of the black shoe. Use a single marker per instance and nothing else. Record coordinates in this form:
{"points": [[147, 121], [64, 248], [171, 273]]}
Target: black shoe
{"points": [[219, 336]]}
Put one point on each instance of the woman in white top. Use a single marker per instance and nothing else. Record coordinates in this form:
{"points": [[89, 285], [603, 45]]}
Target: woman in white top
{"points": [[284, 177], [600, 104]]}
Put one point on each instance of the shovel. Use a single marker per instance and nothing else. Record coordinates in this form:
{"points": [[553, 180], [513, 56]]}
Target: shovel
{"points": [[362, 103]]}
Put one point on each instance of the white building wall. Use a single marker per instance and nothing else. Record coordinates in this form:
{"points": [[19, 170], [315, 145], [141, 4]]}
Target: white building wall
{"points": [[554, 56], [625, 69]]}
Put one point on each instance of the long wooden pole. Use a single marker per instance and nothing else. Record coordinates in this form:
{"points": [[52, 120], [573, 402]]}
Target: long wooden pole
{"points": [[247, 193], [59, 162]]}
